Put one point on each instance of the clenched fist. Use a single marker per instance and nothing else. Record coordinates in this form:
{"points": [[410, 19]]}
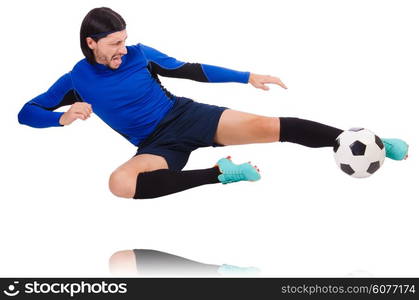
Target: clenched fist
{"points": [[78, 110]]}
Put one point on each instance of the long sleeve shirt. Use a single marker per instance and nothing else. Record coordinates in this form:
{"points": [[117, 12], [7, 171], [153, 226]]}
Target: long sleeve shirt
{"points": [[130, 99]]}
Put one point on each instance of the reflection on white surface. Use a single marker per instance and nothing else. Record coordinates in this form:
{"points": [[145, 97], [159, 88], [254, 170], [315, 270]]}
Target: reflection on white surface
{"points": [[153, 263]]}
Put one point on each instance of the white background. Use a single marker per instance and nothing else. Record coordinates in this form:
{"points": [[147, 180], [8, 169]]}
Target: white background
{"points": [[346, 64]]}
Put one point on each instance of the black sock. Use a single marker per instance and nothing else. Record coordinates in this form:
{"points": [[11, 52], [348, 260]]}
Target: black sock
{"points": [[307, 133], [164, 182]]}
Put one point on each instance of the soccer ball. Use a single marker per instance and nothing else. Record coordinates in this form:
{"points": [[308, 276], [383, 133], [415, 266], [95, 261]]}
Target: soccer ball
{"points": [[359, 152]]}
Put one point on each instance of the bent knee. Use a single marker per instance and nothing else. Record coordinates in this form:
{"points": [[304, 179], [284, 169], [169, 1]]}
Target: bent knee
{"points": [[122, 183], [123, 263]]}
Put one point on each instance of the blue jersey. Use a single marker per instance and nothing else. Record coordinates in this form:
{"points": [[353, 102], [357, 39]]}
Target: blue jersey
{"points": [[130, 99]]}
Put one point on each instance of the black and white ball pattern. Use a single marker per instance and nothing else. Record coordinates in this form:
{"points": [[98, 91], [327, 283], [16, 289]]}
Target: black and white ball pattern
{"points": [[359, 152]]}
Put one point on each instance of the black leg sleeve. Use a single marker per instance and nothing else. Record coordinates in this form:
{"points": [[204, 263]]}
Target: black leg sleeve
{"points": [[307, 133], [153, 262], [164, 182]]}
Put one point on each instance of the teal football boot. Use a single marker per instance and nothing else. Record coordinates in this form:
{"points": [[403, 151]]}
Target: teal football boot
{"points": [[396, 149], [230, 172]]}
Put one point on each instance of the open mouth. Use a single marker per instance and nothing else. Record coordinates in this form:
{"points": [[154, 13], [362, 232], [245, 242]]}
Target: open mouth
{"points": [[117, 59]]}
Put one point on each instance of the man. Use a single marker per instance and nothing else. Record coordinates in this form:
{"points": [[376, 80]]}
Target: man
{"points": [[120, 84]]}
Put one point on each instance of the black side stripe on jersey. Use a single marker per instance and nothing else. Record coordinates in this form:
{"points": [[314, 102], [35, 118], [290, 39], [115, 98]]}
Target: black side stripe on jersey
{"points": [[70, 98], [191, 71], [154, 75]]}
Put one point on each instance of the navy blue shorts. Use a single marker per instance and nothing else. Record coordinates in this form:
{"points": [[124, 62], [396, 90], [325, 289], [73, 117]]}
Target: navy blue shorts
{"points": [[187, 126]]}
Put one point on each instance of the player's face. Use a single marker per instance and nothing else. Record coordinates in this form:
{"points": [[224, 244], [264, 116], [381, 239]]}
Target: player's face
{"points": [[110, 49]]}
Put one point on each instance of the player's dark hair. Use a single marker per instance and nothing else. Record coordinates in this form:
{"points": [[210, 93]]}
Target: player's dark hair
{"points": [[98, 23]]}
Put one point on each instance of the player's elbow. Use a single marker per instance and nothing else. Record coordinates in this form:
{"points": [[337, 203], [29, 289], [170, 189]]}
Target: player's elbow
{"points": [[22, 116]]}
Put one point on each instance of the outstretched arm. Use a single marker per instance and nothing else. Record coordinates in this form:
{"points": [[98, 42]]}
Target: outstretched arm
{"points": [[164, 65], [39, 112]]}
